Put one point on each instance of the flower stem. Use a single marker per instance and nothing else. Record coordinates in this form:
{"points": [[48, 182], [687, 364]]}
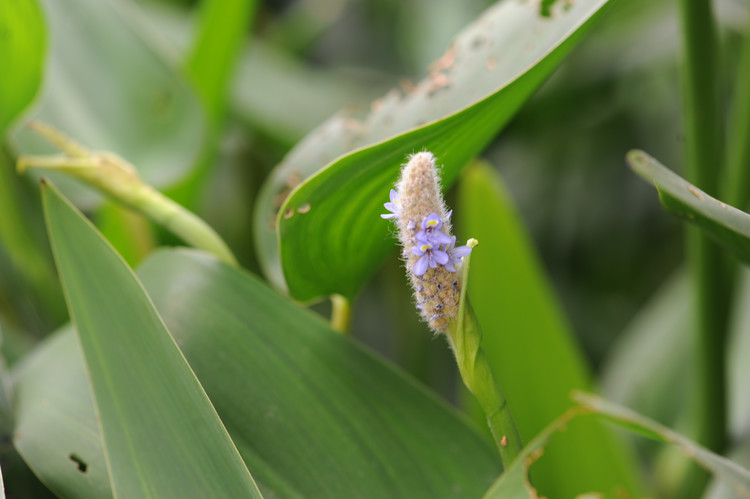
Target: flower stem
{"points": [[341, 314], [464, 336], [118, 179]]}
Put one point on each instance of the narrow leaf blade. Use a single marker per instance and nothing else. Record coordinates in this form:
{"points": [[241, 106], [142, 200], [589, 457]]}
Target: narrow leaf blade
{"points": [[221, 31], [726, 224], [514, 483], [162, 435], [530, 344]]}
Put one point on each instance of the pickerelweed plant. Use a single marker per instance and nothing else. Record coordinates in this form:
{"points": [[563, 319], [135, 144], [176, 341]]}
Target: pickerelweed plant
{"points": [[438, 271], [130, 368]]}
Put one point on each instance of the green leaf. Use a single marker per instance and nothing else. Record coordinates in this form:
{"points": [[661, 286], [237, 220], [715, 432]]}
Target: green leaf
{"points": [[312, 413], [107, 87], [529, 342], [726, 224], [331, 237], [162, 435], [724, 469], [514, 484], [222, 29], [22, 45], [57, 432]]}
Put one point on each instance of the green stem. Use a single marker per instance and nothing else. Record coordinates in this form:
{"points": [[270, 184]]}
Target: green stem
{"points": [[118, 179], [703, 157], [737, 185], [465, 336], [222, 30], [341, 314]]}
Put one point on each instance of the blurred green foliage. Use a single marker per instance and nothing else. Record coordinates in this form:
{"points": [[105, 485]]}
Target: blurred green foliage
{"points": [[207, 98]]}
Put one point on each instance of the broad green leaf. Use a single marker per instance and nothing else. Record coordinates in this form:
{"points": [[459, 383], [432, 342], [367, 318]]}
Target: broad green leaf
{"points": [[514, 484], [331, 237], [51, 385], [22, 45], [651, 358], [222, 28], [726, 224], [162, 435], [529, 343], [107, 87], [312, 413]]}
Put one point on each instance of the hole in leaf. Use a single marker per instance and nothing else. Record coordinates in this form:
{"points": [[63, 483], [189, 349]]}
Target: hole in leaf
{"points": [[80, 463]]}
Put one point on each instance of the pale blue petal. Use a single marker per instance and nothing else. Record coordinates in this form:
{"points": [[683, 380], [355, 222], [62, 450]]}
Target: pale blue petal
{"points": [[460, 252], [421, 266], [440, 256]]}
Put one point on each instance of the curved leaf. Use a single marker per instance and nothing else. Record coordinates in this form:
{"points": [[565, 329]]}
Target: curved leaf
{"points": [[514, 484], [530, 345], [163, 437], [312, 413], [107, 87], [726, 224], [331, 238]]}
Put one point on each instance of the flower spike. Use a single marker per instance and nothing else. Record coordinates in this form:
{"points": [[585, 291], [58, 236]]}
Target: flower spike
{"points": [[428, 248]]}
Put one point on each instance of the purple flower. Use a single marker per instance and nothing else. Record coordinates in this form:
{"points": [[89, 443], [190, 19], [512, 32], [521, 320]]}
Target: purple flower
{"points": [[455, 255], [395, 212], [431, 232], [431, 255]]}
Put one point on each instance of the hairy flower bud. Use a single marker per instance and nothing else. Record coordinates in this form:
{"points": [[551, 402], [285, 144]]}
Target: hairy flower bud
{"points": [[425, 234]]}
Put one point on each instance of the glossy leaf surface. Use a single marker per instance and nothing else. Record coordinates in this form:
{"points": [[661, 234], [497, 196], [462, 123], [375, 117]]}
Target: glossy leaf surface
{"points": [[331, 237]]}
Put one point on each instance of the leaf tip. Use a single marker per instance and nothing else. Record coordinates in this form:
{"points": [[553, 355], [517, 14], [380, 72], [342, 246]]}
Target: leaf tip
{"points": [[635, 157]]}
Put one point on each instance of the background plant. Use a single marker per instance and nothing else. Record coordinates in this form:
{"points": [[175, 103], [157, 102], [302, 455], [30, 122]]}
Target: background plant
{"points": [[224, 107]]}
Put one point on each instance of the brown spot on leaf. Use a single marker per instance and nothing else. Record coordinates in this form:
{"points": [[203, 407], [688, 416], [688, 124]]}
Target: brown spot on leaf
{"points": [[304, 208], [695, 192], [293, 179], [445, 62], [406, 85]]}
